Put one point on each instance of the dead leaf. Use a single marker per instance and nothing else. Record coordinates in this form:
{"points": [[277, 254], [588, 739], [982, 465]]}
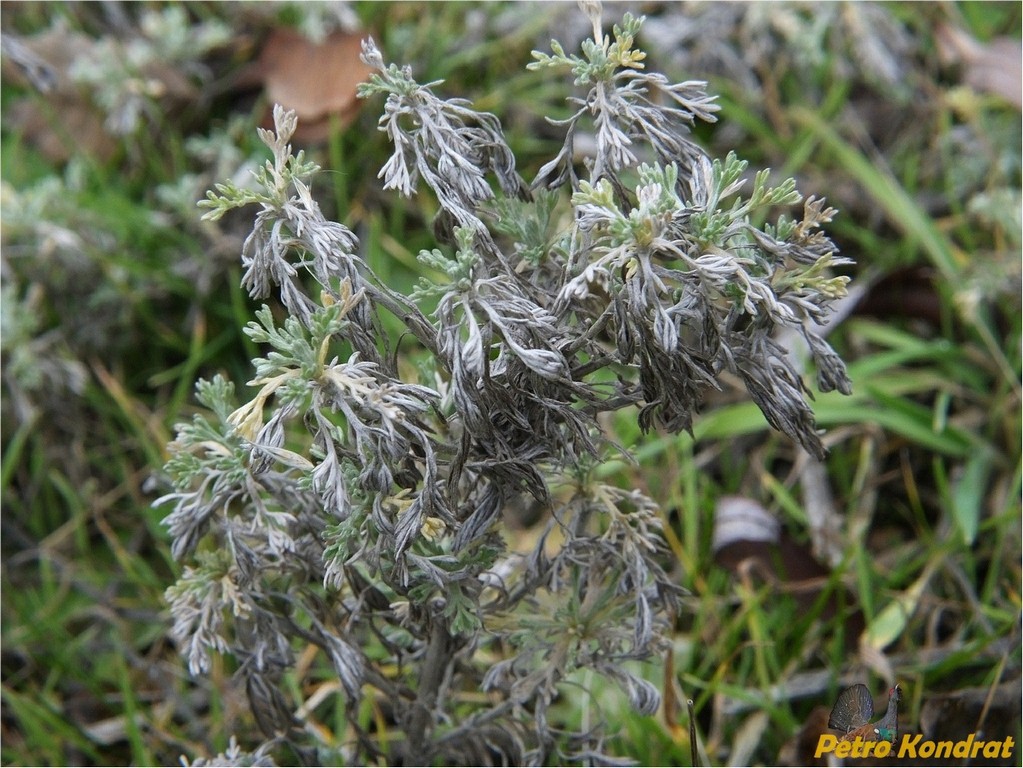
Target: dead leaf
{"points": [[994, 67], [65, 123], [316, 80]]}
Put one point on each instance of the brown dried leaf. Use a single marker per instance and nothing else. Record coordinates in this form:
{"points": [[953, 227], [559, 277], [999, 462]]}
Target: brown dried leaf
{"points": [[316, 80], [49, 54], [993, 67], [63, 127], [65, 123]]}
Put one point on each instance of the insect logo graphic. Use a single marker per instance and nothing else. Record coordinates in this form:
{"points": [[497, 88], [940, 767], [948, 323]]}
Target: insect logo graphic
{"points": [[853, 710]]}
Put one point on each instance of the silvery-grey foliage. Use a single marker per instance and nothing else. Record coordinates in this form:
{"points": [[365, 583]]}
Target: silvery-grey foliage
{"points": [[346, 508]]}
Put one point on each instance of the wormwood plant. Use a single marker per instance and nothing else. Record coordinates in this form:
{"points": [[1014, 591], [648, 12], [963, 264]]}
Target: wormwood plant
{"points": [[347, 508]]}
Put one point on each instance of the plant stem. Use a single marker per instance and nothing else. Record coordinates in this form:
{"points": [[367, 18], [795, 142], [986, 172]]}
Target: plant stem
{"points": [[435, 663]]}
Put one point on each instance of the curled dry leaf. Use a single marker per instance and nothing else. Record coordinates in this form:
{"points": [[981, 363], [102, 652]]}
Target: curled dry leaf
{"points": [[316, 80]]}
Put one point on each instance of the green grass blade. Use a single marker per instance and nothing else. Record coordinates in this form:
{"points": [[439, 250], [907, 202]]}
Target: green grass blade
{"points": [[901, 210]]}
